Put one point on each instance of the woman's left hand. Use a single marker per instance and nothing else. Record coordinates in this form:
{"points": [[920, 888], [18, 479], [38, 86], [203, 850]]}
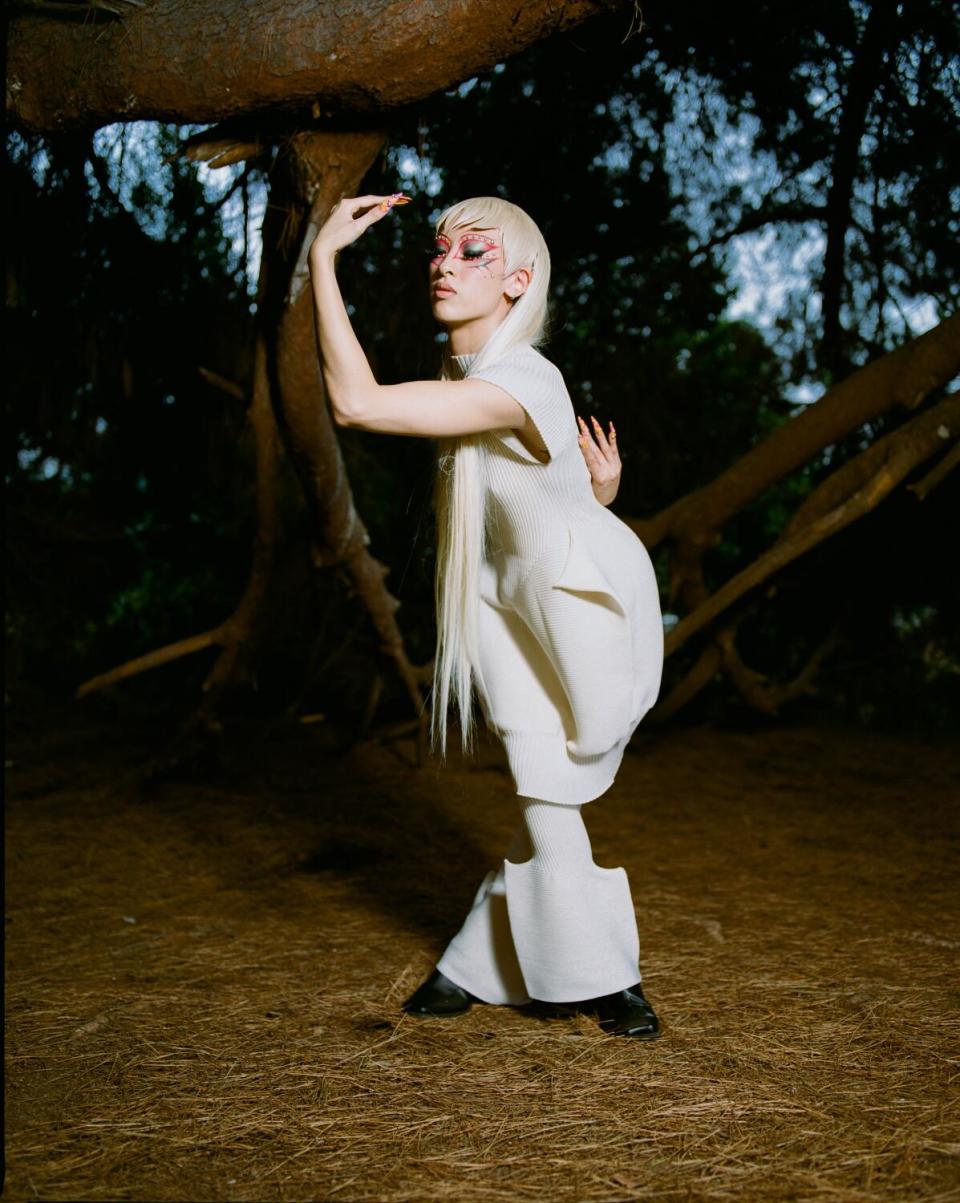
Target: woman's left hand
{"points": [[349, 218], [602, 458]]}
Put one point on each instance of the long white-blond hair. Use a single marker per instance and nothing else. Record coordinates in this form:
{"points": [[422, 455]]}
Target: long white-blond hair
{"points": [[458, 482]]}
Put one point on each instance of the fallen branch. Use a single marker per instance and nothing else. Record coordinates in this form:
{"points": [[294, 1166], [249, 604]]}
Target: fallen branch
{"points": [[904, 377], [901, 450], [154, 659]]}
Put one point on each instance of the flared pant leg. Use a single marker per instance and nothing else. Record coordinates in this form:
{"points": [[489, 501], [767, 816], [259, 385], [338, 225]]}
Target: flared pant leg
{"points": [[555, 927]]}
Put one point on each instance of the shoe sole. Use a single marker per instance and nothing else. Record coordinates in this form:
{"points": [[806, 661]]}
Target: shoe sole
{"points": [[436, 1014]]}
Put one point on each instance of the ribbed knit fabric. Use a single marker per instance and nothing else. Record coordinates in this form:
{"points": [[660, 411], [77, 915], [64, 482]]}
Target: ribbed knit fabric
{"points": [[557, 834], [570, 630], [555, 926], [570, 656]]}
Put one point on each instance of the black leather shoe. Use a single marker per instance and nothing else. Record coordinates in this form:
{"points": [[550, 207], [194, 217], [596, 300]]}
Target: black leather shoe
{"points": [[438, 996], [627, 1013]]}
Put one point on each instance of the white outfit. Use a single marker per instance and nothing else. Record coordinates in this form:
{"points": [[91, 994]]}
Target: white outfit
{"points": [[571, 634], [570, 644]]}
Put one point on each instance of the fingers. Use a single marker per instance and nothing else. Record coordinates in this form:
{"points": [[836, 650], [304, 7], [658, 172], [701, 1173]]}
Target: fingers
{"points": [[380, 209], [373, 201], [607, 447]]}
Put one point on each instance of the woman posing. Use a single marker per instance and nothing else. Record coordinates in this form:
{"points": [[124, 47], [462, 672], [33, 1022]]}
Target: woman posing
{"points": [[547, 604]]}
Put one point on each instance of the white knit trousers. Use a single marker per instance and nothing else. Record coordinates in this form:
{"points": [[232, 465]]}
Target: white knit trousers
{"points": [[548, 923]]}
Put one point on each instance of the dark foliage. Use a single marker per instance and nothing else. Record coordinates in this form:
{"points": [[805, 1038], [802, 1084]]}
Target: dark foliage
{"points": [[129, 477]]}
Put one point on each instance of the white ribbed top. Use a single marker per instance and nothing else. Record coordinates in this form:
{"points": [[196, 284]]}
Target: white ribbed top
{"points": [[571, 644], [531, 505]]}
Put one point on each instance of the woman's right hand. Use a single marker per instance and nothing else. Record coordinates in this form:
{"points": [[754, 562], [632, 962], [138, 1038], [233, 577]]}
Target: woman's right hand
{"points": [[348, 219], [602, 457]]}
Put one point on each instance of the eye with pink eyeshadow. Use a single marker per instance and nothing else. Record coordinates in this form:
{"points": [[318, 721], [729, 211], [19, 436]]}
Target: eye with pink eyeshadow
{"points": [[440, 247], [474, 249], [471, 249]]}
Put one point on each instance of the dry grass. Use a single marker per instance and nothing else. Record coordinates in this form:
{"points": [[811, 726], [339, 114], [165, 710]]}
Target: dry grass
{"points": [[203, 984]]}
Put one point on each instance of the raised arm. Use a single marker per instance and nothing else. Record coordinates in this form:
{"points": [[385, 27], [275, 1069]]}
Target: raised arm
{"points": [[429, 408]]}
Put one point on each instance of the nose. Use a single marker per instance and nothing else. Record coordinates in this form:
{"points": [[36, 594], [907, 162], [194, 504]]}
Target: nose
{"points": [[445, 265]]}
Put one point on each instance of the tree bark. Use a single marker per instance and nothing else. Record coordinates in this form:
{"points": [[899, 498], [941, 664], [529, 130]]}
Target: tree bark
{"points": [[212, 59]]}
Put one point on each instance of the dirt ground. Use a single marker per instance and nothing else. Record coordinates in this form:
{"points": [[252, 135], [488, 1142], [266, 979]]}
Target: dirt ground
{"points": [[203, 982]]}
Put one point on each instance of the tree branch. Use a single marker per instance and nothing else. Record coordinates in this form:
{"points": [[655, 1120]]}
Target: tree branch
{"points": [[211, 59], [901, 450], [903, 377], [793, 212], [921, 488]]}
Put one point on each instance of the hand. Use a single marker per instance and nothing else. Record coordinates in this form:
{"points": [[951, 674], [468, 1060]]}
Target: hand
{"points": [[349, 218], [602, 458]]}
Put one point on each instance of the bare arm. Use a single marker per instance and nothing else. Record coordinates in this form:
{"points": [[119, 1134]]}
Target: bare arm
{"points": [[347, 376], [429, 408]]}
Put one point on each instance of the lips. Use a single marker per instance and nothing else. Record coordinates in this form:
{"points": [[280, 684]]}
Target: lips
{"points": [[443, 290]]}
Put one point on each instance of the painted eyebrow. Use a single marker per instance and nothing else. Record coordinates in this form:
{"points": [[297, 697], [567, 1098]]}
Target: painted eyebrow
{"points": [[472, 230]]}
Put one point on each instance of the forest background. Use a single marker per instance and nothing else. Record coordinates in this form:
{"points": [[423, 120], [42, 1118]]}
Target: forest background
{"points": [[742, 208]]}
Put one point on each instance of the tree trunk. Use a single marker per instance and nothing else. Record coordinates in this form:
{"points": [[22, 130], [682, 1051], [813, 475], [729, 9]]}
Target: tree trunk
{"points": [[862, 82], [321, 168]]}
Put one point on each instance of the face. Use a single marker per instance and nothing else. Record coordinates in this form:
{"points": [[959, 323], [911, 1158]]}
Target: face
{"points": [[467, 284]]}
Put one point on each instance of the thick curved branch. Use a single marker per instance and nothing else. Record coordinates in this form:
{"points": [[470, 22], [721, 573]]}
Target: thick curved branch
{"points": [[904, 377], [853, 475], [210, 59], [901, 451]]}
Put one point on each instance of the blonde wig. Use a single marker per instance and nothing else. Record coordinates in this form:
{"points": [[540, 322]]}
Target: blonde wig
{"points": [[458, 483]]}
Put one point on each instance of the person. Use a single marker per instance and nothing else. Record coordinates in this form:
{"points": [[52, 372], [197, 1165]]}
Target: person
{"points": [[547, 604]]}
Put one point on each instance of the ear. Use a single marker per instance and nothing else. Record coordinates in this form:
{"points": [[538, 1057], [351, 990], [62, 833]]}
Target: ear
{"points": [[519, 282]]}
